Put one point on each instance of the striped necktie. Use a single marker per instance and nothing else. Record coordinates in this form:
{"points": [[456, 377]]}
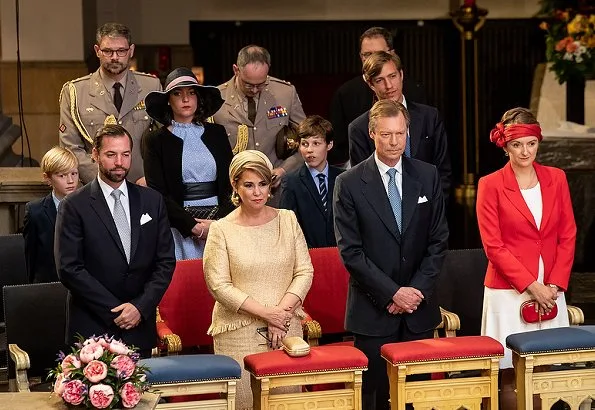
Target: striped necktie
{"points": [[322, 190], [394, 197]]}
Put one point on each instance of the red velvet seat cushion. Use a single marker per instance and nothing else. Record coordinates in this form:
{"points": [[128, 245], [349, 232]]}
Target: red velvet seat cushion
{"points": [[441, 349], [320, 359]]}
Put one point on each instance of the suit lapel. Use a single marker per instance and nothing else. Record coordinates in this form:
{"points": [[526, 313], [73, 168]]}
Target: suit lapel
{"points": [[375, 193], [410, 194], [99, 205], [49, 208], [265, 101], [513, 193], [547, 193], [130, 97], [97, 97], [233, 103], [306, 179], [415, 127], [135, 213]]}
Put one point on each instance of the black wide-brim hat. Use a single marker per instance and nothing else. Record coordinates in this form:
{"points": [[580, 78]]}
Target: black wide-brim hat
{"points": [[156, 101]]}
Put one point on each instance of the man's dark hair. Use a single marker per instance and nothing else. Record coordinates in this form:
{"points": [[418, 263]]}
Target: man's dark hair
{"points": [[110, 130], [113, 30], [377, 32]]}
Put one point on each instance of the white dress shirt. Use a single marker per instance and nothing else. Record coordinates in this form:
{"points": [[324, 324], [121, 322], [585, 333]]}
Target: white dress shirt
{"points": [[383, 169], [111, 202]]}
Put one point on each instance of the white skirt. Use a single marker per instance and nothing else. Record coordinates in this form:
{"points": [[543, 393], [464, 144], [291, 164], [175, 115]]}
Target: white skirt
{"points": [[502, 317]]}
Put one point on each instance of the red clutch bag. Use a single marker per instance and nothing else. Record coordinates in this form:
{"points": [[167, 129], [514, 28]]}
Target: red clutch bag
{"points": [[530, 312]]}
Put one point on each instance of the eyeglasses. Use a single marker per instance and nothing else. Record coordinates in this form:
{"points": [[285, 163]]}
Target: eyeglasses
{"points": [[263, 331], [249, 86], [121, 52]]}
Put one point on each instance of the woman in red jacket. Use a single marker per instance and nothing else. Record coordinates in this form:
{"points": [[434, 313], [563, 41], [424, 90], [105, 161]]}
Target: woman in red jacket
{"points": [[528, 232]]}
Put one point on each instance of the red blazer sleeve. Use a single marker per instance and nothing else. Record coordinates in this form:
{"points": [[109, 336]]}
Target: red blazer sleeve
{"points": [[489, 213], [560, 274]]}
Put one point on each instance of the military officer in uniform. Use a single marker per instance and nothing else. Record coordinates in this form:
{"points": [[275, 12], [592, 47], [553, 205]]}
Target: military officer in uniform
{"points": [[113, 94], [257, 107]]}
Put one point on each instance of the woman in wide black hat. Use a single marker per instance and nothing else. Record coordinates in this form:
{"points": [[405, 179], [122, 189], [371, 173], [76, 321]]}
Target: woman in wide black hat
{"points": [[188, 158]]}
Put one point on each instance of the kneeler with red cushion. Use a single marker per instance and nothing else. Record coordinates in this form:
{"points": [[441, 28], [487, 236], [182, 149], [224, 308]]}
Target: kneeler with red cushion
{"points": [[324, 364], [444, 355]]}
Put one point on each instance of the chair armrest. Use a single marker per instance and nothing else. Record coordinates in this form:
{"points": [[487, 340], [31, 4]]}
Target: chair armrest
{"points": [[312, 330], [450, 323], [167, 338], [22, 364], [575, 315]]}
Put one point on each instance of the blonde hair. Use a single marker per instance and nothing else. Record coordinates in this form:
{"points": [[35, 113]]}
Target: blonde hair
{"points": [[387, 108], [252, 160], [58, 160], [518, 115]]}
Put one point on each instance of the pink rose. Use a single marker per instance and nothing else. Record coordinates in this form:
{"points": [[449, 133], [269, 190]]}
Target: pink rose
{"points": [[92, 351], [95, 371], [59, 384], [74, 392], [70, 363], [101, 395], [103, 342], [130, 395], [117, 347], [124, 366]]}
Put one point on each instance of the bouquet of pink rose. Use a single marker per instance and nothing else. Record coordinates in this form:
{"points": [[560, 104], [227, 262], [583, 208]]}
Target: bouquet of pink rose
{"points": [[100, 373]]}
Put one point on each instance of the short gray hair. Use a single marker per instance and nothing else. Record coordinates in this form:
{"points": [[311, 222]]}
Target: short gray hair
{"points": [[253, 54], [113, 30]]}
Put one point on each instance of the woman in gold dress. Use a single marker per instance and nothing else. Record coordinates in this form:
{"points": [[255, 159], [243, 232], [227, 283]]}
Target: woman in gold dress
{"points": [[257, 267]]}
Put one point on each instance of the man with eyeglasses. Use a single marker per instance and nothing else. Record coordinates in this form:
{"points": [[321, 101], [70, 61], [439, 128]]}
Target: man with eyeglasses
{"points": [[257, 107], [111, 95], [355, 97]]}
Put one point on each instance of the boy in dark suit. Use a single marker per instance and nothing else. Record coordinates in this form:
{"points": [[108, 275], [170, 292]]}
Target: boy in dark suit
{"points": [[309, 190], [60, 170]]}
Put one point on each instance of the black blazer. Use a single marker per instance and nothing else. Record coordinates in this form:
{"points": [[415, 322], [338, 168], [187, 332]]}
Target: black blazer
{"points": [[162, 158], [38, 232], [300, 194], [429, 142], [92, 265], [351, 100], [380, 259]]}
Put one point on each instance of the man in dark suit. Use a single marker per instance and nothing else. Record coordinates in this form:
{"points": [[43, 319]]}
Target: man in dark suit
{"points": [[114, 249], [308, 191], [60, 171], [354, 97], [426, 139], [393, 248]]}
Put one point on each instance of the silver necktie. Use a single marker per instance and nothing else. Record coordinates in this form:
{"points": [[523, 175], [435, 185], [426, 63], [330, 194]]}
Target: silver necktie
{"points": [[121, 223]]}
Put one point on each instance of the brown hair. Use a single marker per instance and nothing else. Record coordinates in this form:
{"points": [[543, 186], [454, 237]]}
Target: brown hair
{"points": [[518, 115], [110, 130], [253, 54], [387, 108], [58, 160], [315, 125], [373, 64], [113, 30], [377, 32], [251, 160]]}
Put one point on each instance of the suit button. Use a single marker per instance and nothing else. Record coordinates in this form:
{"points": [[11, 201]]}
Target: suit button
{"points": [[254, 128], [257, 144], [120, 122]]}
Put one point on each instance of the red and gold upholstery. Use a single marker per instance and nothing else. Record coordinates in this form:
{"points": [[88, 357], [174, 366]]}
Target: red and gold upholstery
{"points": [[324, 364], [444, 355], [186, 308]]}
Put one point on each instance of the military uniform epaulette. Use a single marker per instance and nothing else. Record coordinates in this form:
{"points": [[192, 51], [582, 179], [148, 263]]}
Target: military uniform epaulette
{"points": [[85, 77], [143, 74], [278, 80]]}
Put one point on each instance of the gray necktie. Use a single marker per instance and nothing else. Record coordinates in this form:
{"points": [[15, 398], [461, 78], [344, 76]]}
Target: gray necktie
{"points": [[121, 223], [394, 197]]}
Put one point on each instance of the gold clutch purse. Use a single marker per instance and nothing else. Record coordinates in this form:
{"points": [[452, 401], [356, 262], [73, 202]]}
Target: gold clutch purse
{"points": [[295, 346]]}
